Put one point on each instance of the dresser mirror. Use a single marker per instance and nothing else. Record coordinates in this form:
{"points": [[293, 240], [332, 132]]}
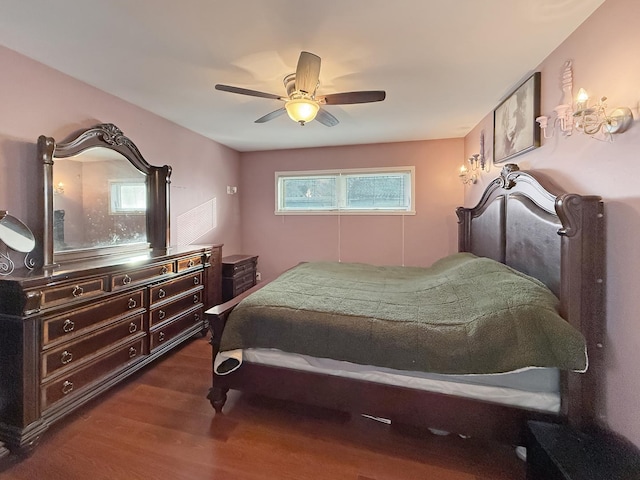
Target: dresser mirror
{"points": [[102, 198]]}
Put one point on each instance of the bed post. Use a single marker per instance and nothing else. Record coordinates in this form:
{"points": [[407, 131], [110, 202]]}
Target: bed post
{"points": [[582, 299], [217, 320]]}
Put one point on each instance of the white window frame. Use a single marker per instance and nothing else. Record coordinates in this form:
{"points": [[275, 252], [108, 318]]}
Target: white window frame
{"points": [[341, 175], [115, 193]]}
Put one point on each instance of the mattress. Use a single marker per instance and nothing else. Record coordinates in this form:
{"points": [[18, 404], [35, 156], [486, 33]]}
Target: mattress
{"points": [[532, 388], [464, 314]]}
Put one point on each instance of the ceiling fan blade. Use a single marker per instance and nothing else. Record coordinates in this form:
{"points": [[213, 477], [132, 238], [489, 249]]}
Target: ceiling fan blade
{"points": [[307, 72], [326, 118], [245, 91], [353, 97], [271, 116]]}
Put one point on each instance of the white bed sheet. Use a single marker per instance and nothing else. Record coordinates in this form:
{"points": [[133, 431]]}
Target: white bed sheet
{"points": [[535, 388]]}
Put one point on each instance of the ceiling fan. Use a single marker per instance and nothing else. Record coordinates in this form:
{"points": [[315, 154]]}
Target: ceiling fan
{"points": [[301, 103]]}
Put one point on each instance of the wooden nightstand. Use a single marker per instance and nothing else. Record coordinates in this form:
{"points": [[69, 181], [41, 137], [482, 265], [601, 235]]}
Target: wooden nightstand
{"points": [[559, 452], [238, 274]]}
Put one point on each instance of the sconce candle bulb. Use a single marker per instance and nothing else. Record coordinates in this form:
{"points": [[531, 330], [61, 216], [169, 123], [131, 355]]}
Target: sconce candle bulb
{"points": [[582, 99]]}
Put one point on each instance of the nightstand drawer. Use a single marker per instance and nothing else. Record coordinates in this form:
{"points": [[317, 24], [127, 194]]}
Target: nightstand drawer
{"points": [[238, 265], [238, 274], [245, 282]]}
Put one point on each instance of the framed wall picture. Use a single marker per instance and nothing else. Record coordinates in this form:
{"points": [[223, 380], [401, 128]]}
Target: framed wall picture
{"points": [[514, 121]]}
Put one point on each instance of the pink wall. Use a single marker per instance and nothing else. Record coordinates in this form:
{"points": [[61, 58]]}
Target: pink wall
{"points": [[283, 241], [37, 100], [604, 52]]}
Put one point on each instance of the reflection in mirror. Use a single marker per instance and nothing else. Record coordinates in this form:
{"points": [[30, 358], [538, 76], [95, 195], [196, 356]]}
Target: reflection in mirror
{"points": [[16, 236], [99, 200]]}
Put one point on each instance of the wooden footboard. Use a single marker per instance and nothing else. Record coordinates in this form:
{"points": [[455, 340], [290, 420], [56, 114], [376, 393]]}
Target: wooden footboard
{"points": [[404, 406]]}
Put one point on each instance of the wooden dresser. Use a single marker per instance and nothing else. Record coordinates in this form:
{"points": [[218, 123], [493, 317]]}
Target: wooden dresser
{"points": [[238, 274], [68, 335]]}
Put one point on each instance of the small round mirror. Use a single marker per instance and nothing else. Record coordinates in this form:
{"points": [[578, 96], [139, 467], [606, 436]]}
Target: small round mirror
{"points": [[16, 235]]}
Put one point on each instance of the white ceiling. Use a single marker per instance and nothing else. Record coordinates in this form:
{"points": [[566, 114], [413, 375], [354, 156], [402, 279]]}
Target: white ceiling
{"points": [[444, 64]]}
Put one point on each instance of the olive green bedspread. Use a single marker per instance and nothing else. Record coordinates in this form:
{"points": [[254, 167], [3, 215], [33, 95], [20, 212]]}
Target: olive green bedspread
{"points": [[462, 315]]}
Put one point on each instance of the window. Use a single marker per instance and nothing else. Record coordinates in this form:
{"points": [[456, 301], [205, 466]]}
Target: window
{"points": [[362, 191], [127, 197]]}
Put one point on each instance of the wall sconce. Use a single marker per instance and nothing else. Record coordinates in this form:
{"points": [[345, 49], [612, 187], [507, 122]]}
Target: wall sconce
{"points": [[58, 189], [477, 163], [592, 121]]}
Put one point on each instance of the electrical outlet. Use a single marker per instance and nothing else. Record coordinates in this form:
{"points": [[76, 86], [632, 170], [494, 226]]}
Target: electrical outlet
{"points": [[258, 276], [232, 190]]}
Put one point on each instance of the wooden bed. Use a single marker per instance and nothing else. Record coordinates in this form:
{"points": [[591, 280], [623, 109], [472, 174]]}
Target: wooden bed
{"points": [[524, 221]]}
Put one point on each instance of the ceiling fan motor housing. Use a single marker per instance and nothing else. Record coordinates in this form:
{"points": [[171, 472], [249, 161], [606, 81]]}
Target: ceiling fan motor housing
{"points": [[290, 85]]}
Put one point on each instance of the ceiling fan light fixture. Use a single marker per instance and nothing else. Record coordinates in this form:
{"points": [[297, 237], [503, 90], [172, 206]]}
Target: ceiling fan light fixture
{"points": [[302, 110]]}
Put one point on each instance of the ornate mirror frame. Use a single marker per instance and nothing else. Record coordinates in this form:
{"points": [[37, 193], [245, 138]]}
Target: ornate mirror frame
{"points": [[108, 136]]}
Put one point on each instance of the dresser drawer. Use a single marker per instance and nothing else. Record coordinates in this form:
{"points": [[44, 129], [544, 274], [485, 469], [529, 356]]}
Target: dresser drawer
{"points": [[77, 352], [180, 305], [82, 320], [190, 262], [167, 332], [164, 291], [69, 292], [69, 385], [131, 277]]}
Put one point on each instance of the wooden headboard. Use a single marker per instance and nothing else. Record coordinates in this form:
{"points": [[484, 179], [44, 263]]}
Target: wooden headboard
{"points": [[523, 220]]}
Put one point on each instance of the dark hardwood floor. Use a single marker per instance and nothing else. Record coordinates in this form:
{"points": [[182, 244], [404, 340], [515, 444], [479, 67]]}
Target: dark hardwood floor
{"points": [[159, 425]]}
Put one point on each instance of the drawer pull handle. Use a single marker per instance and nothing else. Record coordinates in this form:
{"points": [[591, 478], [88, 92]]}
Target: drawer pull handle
{"points": [[77, 291], [132, 303], [196, 298], [164, 270], [133, 327], [132, 352], [161, 314], [68, 326], [162, 293], [67, 386], [66, 357], [191, 262], [196, 317], [126, 280], [161, 337], [196, 280]]}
